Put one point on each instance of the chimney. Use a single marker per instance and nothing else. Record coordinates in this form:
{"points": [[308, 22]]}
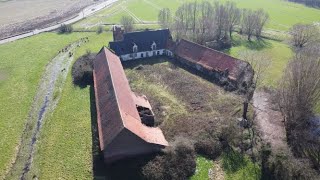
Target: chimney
{"points": [[117, 33]]}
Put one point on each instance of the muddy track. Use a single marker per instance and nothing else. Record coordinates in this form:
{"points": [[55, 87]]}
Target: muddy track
{"points": [[45, 101], [269, 121]]}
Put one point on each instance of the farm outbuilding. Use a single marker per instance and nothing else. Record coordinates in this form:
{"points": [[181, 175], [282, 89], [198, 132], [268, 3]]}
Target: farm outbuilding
{"points": [[122, 129], [227, 70]]}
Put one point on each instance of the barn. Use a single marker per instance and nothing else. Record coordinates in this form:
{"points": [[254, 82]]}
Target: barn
{"points": [[125, 130], [226, 70]]}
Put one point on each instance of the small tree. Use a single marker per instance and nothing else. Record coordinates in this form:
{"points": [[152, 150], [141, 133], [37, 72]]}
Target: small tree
{"points": [[164, 17], [302, 34], [260, 63], [127, 23], [100, 30], [234, 15], [262, 18], [65, 28], [253, 22]]}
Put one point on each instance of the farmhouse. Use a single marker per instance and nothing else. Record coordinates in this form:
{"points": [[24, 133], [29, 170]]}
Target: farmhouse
{"points": [[136, 45], [225, 70], [124, 118]]}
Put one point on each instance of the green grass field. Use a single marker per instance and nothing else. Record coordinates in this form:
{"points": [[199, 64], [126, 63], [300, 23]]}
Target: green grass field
{"points": [[65, 146], [203, 167], [283, 14], [23, 62]]}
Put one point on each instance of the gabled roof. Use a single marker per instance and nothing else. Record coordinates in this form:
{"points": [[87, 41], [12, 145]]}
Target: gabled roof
{"points": [[116, 108], [143, 39], [210, 58]]}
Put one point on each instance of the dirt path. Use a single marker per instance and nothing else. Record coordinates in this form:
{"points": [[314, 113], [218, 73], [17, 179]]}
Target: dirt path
{"points": [[45, 101], [269, 121], [216, 173]]}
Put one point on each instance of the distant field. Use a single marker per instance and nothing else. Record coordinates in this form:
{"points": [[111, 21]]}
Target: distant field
{"points": [[283, 14], [21, 10]]}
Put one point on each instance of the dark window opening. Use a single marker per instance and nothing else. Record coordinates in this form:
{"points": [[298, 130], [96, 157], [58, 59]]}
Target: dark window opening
{"points": [[146, 115], [141, 55], [158, 53]]}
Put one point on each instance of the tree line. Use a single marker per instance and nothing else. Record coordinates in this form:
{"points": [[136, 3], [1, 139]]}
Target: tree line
{"points": [[299, 93], [312, 3], [203, 21]]}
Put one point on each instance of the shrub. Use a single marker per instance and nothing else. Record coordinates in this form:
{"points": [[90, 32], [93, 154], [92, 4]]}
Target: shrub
{"points": [[82, 70], [177, 162], [65, 28], [100, 30], [283, 165], [210, 148]]}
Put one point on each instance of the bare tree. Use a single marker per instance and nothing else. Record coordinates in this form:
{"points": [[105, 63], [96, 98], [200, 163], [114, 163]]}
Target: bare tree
{"points": [[301, 34], [262, 18], [220, 20], [300, 90], [248, 22], [205, 22], [127, 23], [260, 63], [233, 18], [164, 17], [253, 22]]}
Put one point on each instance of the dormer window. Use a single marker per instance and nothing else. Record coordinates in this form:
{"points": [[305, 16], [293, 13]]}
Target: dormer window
{"points": [[135, 48], [154, 46]]}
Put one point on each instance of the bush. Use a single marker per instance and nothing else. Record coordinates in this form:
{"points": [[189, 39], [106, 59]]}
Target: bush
{"points": [[65, 28], [283, 165], [209, 148], [100, 30], [82, 70], [177, 162]]}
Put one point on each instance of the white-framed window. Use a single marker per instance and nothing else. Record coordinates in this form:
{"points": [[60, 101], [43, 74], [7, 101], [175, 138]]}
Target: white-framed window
{"points": [[135, 48], [154, 46]]}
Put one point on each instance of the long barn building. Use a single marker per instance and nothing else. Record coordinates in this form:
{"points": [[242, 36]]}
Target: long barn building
{"points": [[123, 130]]}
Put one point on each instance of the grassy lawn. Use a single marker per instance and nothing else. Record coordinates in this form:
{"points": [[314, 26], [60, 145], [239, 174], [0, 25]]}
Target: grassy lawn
{"points": [[278, 52], [238, 167], [203, 167], [22, 63], [65, 146]]}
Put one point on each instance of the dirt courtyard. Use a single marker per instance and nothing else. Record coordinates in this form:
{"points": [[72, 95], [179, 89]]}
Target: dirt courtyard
{"points": [[183, 102], [18, 16]]}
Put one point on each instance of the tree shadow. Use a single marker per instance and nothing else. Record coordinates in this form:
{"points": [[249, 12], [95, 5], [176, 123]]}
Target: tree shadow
{"points": [[257, 44]]}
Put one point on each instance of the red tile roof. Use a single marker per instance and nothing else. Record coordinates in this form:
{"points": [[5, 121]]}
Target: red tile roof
{"points": [[116, 108], [209, 58]]}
